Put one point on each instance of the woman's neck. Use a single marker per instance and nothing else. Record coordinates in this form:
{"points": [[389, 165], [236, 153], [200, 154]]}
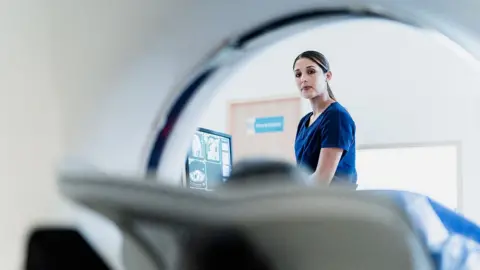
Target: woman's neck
{"points": [[320, 103]]}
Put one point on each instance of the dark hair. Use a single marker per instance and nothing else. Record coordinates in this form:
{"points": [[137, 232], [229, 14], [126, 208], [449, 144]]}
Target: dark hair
{"points": [[321, 61]]}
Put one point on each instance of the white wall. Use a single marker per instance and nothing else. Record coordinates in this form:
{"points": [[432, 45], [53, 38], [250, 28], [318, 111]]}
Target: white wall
{"points": [[399, 85]]}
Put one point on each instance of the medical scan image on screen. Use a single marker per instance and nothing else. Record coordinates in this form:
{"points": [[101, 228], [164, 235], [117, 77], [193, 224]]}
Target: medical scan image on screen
{"points": [[209, 160]]}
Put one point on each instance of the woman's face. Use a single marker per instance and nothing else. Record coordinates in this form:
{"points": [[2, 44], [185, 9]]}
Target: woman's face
{"points": [[310, 79]]}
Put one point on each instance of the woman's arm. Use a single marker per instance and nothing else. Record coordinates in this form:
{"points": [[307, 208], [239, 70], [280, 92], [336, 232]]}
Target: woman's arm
{"points": [[327, 165], [337, 135]]}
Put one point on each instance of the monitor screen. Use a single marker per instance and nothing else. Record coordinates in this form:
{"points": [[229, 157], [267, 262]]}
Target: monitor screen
{"points": [[209, 160]]}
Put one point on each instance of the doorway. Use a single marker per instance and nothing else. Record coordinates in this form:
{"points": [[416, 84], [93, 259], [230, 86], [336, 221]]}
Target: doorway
{"points": [[264, 128]]}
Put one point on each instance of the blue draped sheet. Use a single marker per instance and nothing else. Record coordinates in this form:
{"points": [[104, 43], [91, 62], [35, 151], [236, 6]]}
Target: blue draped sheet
{"points": [[452, 240]]}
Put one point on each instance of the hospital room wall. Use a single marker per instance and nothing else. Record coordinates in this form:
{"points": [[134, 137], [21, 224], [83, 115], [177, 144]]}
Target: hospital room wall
{"points": [[399, 94]]}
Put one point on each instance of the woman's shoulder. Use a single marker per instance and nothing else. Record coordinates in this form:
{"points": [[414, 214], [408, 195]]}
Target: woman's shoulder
{"points": [[337, 110]]}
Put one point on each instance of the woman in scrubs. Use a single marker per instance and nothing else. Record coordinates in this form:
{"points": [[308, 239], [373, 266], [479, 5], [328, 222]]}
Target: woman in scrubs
{"points": [[325, 140]]}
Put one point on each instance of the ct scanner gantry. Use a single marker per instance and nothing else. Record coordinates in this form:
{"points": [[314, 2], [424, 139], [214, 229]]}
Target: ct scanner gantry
{"points": [[197, 43]]}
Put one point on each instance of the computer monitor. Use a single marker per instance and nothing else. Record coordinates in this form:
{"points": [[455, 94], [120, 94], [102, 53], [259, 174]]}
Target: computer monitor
{"points": [[209, 161]]}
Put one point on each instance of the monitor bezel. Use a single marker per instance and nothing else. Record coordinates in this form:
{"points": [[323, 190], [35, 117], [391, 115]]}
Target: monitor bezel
{"points": [[212, 132]]}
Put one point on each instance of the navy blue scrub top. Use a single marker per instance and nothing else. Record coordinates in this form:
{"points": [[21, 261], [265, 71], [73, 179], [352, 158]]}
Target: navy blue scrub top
{"points": [[334, 128]]}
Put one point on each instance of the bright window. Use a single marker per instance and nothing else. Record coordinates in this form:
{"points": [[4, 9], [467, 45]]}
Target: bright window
{"points": [[428, 170]]}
